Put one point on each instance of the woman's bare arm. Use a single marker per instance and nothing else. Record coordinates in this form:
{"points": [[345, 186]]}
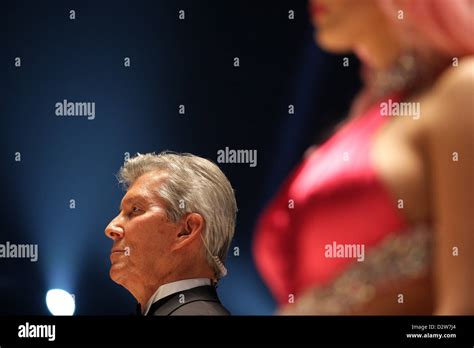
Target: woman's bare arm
{"points": [[450, 147]]}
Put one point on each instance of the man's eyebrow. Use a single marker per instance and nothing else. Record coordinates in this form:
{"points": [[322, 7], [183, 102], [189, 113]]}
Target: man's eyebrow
{"points": [[132, 199]]}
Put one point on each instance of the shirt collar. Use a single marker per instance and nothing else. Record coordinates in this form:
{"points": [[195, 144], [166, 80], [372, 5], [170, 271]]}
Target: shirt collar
{"points": [[171, 288]]}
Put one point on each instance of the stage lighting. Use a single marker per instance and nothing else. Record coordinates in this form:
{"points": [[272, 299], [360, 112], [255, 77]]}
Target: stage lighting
{"points": [[60, 302]]}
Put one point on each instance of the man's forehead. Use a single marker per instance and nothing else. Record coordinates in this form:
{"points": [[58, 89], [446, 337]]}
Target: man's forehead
{"points": [[144, 186]]}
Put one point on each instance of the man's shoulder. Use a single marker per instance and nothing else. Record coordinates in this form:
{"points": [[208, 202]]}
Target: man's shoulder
{"points": [[202, 300], [201, 307]]}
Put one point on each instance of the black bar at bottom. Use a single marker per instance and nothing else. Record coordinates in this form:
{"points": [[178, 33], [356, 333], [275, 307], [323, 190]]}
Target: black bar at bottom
{"points": [[413, 330]]}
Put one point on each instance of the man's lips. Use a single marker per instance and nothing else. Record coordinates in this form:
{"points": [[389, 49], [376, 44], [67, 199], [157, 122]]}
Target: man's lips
{"points": [[114, 252]]}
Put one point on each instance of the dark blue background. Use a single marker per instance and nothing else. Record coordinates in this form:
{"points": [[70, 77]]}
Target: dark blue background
{"points": [[172, 62]]}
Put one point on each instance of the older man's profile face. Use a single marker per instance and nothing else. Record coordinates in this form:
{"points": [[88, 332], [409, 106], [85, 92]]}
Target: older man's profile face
{"points": [[142, 235]]}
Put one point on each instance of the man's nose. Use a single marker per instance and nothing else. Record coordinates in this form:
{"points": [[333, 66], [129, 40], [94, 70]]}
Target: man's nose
{"points": [[114, 230]]}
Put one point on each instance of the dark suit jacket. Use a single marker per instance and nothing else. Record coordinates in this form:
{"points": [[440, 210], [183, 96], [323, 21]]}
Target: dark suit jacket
{"points": [[201, 300]]}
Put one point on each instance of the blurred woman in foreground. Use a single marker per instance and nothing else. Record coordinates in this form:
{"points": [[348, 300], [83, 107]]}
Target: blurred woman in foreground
{"points": [[378, 219]]}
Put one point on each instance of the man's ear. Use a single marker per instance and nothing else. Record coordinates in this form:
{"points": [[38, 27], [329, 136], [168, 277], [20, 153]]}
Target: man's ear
{"points": [[192, 227]]}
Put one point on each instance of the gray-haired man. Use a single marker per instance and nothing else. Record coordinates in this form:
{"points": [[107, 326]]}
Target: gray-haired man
{"points": [[172, 234]]}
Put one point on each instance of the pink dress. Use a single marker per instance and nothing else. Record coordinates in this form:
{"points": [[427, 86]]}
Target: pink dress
{"points": [[335, 227]]}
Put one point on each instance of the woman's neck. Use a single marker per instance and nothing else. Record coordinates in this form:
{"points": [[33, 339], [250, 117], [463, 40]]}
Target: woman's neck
{"points": [[380, 51]]}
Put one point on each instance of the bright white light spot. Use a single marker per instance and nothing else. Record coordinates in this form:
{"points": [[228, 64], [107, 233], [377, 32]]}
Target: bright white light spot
{"points": [[60, 302]]}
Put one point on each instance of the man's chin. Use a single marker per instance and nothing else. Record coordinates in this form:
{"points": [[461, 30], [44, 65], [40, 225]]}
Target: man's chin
{"points": [[117, 274]]}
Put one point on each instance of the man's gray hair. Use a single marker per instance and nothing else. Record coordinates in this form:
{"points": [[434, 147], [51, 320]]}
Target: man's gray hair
{"points": [[192, 185]]}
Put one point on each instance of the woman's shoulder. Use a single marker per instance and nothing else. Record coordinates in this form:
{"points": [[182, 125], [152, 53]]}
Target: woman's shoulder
{"points": [[458, 78], [450, 103]]}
